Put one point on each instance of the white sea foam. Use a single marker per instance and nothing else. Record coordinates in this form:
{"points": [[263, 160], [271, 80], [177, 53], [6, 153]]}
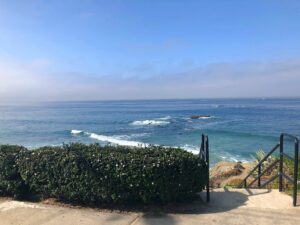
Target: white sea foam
{"points": [[150, 122], [165, 118], [221, 156], [76, 131], [137, 135], [190, 148], [116, 140], [225, 156], [123, 141], [205, 117]]}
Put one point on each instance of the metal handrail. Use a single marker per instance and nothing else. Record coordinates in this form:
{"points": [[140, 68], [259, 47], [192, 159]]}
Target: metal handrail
{"points": [[260, 163], [270, 180], [296, 160], [287, 177], [262, 173], [204, 154], [280, 174], [290, 136]]}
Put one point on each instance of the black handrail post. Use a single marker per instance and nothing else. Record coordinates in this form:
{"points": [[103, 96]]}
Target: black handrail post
{"points": [[207, 161], [245, 183], [259, 173], [204, 155], [203, 144], [296, 172], [281, 162]]}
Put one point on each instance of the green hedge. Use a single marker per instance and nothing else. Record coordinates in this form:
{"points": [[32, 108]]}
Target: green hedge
{"points": [[91, 174], [11, 183]]}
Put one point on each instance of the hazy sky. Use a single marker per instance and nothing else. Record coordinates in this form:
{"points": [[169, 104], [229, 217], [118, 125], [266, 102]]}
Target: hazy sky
{"points": [[114, 49]]}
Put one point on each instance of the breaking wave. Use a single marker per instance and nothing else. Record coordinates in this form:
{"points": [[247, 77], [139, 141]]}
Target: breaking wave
{"points": [[76, 131], [191, 148], [117, 139], [165, 118], [150, 122]]}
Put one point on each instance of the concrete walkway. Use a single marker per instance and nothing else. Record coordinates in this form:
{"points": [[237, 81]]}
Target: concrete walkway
{"points": [[233, 206]]}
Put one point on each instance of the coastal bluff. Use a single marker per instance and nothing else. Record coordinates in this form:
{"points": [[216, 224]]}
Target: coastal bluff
{"points": [[226, 173]]}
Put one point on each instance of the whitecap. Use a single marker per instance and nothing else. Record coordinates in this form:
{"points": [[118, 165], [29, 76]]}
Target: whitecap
{"points": [[190, 148], [137, 135], [165, 118], [150, 122], [122, 140], [76, 131], [116, 140], [205, 117]]}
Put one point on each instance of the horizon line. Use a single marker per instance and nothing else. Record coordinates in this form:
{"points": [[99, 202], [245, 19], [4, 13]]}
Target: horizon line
{"points": [[147, 99]]}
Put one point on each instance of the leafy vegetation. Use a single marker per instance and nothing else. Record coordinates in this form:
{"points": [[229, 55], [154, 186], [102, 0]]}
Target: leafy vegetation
{"points": [[11, 182], [91, 174], [288, 168], [259, 155]]}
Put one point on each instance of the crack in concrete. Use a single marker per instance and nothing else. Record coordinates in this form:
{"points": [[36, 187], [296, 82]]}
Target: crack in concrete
{"points": [[135, 220]]}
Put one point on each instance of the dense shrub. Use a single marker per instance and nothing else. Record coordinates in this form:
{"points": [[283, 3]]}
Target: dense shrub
{"points": [[11, 183], [91, 174]]}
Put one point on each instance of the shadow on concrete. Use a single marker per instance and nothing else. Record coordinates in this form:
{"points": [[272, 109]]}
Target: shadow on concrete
{"points": [[221, 201], [115, 218], [146, 218], [157, 219], [252, 194]]}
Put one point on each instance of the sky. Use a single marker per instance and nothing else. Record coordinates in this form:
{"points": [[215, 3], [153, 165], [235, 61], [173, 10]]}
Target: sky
{"points": [[138, 49]]}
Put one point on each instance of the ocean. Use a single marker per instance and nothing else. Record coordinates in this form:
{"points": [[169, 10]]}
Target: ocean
{"points": [[237, 128]]}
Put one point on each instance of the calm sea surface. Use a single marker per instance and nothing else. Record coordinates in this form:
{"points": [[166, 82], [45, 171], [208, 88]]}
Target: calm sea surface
{"points": [[236, 128]]}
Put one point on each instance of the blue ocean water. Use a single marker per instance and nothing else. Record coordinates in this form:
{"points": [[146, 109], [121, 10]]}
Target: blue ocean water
{"points": [[236, 128]]}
